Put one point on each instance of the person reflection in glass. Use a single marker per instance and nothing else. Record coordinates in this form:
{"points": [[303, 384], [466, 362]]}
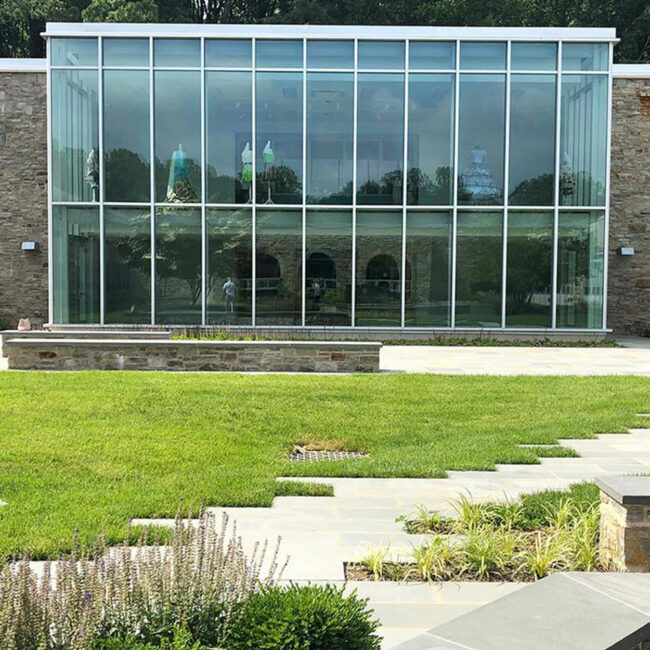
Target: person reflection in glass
{"points": [[229, 295]]}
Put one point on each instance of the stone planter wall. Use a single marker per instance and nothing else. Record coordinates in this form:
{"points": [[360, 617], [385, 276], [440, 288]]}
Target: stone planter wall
{"points": [[195, 356], [625, 523]]}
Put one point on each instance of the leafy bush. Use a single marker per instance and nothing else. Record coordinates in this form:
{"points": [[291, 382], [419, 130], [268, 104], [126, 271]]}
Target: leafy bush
{"points": [[137, 596], [315, 617]]}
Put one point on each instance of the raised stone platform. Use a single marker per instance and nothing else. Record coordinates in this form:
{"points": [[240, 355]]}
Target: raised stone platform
{"points": [[193, 356], [119, 335]]}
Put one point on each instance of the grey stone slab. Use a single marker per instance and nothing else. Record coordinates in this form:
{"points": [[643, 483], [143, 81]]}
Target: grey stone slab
{"points": [[429, 642], [626, 490], [633, 589], [557, 612], [419, 615]]}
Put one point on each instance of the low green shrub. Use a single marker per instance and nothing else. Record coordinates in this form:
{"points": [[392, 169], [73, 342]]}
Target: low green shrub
{"points": [[314, 616]]}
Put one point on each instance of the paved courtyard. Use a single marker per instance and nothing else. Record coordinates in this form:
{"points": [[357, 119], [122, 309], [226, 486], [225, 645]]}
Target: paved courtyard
{"points": [[466, 360], [321, 533]]}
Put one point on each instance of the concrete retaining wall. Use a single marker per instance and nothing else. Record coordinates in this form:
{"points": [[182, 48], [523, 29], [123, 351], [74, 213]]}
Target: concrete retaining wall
{"points": [[203, 356]]}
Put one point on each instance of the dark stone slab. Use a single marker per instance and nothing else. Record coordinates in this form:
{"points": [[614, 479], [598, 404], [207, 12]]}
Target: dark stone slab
{"points": [[632, 589], [559, 613], [626, 490]]}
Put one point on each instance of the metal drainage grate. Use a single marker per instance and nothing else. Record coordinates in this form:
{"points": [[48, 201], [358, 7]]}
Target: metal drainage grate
{"points": [[308, 456]]}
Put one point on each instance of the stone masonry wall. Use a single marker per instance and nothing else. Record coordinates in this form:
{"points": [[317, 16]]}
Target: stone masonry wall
{"points": [[194, 356], [629, 224], [23, 196]]}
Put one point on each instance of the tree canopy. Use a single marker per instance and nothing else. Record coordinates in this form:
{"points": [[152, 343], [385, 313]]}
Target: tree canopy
{"points": [[22, 21]]}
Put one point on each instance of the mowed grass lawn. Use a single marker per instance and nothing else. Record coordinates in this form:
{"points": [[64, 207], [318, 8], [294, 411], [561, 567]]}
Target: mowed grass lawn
{"points": [[91, 449]]}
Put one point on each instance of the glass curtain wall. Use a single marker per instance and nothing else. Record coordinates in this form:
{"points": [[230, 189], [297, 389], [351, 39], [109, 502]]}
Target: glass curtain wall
{"points": [[329, 182]]}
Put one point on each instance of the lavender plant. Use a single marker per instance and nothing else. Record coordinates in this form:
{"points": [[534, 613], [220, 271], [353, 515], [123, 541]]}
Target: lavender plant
{"points": [[198, 580]]}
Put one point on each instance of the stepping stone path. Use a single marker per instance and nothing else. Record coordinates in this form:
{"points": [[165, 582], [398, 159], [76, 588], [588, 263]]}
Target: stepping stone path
{"points": [[321, 533]]}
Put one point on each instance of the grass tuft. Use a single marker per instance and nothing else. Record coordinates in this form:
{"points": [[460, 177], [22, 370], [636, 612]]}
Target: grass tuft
{"points": [[302, 489]]}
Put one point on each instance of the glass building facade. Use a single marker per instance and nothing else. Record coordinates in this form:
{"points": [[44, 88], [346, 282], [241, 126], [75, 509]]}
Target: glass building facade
{"points": [[334, 177]]}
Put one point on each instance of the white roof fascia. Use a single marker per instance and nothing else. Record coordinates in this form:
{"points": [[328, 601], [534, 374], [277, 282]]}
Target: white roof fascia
{"points": [[178, 30], [631, 70], [23, 65]]}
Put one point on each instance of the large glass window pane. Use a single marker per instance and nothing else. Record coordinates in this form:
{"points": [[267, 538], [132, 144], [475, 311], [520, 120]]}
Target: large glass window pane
{"points": [[478, 269], [529, 269], [379, 268], [431, 139], [481, 140], [75, 135], [380, 134], [279, 137], [278, 54], [126, 52], [177, 136], [532, 139], [330, 124], [330, 54], [229, 136], [278, 261], [126, 135], [177, 52], [329, 267], [127, 255], [580, 275], [75, 260], [381, 55], [428, 277], [73, 51], [585, 56], [482, 56], [435, 55], [178, 265], [583, 140], [230, 266], [533, 56], [228, 53]]}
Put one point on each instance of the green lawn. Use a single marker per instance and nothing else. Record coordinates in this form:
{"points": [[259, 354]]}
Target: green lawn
{"points": [[92, 449]]}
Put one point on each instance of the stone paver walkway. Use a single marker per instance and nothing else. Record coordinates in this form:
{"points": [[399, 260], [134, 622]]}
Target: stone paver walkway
{"points": [[465, 360], [321, 533]]}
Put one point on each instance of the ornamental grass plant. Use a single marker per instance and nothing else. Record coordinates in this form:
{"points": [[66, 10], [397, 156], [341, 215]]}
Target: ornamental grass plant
{"points": [[516, 541]]}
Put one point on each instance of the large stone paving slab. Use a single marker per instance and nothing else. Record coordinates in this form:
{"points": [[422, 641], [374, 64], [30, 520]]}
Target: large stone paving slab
{"points": [[564, 611]]}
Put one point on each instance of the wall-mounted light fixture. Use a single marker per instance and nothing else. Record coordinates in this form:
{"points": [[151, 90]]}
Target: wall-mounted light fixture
{"points": [[625, 250], [29, 246]]}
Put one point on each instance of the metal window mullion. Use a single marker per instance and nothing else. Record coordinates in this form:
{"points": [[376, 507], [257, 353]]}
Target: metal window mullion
{"points": [[404, 184], [355, 111], [506, 189], [454, 211], [556, 186], [204, 237], [102, 251], [152, 185], [608, 168], [50, 251], [304, 183], [253, 199]]}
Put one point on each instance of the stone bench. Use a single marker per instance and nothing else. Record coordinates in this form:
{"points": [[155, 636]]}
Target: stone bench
{"points": [[566, 611], [197, 356]]}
